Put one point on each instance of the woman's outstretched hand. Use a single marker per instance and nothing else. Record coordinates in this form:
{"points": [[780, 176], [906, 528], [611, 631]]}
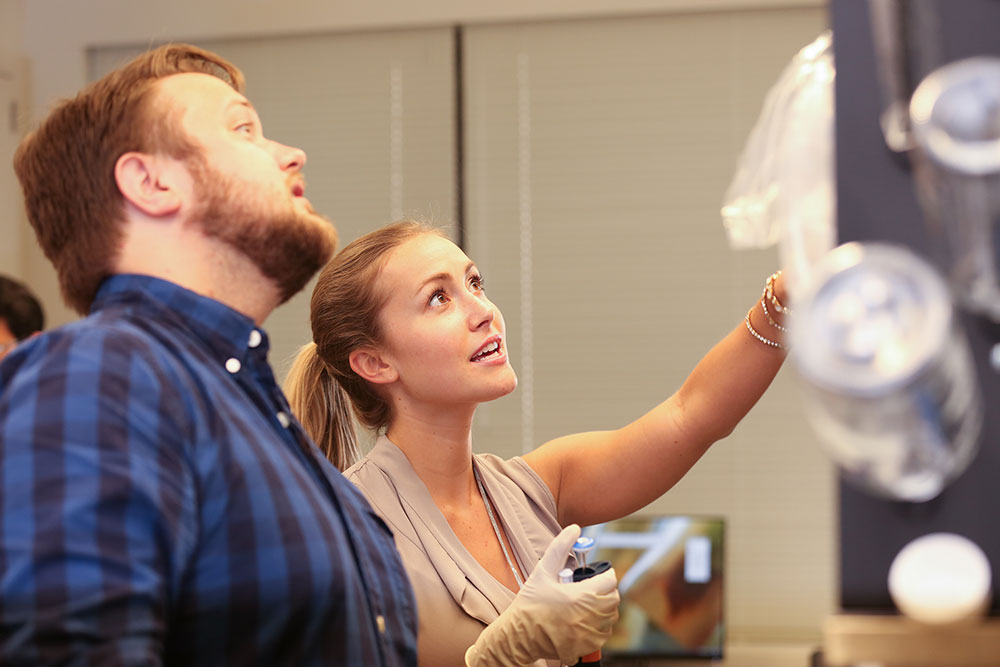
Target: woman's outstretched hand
{"points": [[549, 619]]}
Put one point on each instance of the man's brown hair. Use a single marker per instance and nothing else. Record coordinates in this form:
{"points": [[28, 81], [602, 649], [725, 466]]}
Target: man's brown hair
{"points": [[67, 165]]}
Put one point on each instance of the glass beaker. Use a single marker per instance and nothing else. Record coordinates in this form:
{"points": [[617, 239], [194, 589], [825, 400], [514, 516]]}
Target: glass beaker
{"points": [[888, 378], [955, 120]]}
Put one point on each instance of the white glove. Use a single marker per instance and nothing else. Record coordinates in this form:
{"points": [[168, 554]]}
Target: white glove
{"points": [[548, 619]]}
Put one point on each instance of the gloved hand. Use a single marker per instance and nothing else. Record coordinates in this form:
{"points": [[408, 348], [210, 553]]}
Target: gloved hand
{"points": [[548, 619]]}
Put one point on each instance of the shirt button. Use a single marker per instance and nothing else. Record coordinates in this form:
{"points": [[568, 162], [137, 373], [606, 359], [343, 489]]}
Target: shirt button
{"points": [[233, 365], [380, 622], [283, 419], [255, 338]]}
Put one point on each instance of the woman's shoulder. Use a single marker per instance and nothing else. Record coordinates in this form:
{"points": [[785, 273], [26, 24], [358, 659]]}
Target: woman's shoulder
{"points": [[515, 476], [363, 475], [515, 469], [377, 483], [378, 467]]}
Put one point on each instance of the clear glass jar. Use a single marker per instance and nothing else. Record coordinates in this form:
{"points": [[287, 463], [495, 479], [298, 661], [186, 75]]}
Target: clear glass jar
{"points": [[888, 378]]}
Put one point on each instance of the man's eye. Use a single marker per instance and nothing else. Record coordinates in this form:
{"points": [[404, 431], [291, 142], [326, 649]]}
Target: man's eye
{"points": [[245, 128]]}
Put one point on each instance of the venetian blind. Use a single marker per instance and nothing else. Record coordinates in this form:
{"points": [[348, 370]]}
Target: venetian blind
{"points": [[598, 154]]}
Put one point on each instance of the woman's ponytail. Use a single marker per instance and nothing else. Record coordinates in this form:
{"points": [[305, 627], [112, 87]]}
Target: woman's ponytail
{"points": [[323, 407]]}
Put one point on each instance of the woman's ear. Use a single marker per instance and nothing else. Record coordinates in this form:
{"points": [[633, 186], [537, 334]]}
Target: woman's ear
{"points": [[147, 182], [370, 365]]}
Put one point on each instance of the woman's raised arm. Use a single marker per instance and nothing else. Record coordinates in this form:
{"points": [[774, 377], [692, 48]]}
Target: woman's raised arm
{"points": [[602, 475]]}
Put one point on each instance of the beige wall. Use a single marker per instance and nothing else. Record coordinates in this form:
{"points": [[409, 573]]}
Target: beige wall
{"points": [[14, 118], [11, 22], [57, 47]]}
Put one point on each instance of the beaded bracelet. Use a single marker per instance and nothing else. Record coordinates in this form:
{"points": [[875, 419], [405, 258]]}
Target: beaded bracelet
{"points": [[753, 332], [763, 304], [769, 291]]}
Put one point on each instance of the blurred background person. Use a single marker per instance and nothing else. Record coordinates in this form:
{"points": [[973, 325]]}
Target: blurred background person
{"points": [[21, 314]]}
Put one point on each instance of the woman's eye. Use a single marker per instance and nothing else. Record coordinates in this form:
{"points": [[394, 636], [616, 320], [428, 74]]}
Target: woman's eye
{"points": [[439, 298]]}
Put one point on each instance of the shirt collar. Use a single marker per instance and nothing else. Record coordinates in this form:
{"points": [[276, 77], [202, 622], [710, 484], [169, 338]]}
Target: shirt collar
{"points": [[225, 331]]}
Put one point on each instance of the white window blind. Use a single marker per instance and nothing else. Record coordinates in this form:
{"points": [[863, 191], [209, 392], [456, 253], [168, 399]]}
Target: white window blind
{"points": [[598, 152]]}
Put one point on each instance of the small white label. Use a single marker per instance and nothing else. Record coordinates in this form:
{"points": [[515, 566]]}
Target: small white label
{"points": [[698, 559]]}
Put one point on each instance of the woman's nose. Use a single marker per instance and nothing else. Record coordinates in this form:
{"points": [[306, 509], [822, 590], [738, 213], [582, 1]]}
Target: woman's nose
{"points": [[482, 314]]}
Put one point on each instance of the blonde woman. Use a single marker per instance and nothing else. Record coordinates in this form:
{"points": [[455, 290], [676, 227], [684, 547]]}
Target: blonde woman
{"points": [[406, 336]]}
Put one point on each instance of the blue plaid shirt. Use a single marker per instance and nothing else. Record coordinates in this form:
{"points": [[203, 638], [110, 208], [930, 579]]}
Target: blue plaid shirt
{"points": [[160, 505]]}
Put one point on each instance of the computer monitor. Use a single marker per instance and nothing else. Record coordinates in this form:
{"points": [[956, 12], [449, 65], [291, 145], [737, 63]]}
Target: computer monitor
{"points": [[670, 571]]}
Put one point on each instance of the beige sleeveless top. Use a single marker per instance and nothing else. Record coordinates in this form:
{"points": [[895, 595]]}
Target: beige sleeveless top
{"points": [[456, 596]]}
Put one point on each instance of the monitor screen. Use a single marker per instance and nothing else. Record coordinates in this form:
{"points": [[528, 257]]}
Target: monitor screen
{"points": [[670, 579]]}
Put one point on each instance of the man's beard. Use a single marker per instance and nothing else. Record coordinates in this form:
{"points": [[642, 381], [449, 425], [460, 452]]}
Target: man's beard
{"points": [[288, 246]]}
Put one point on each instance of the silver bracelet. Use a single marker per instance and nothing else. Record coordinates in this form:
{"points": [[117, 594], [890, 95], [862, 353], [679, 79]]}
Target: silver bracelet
{"points": [[753, 332]]}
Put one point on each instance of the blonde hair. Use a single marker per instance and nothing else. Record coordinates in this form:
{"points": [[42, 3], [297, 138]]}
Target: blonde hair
{"points": [[323, 407], [344, 315]]}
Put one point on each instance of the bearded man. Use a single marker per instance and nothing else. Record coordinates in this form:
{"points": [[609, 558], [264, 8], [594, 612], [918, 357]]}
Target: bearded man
{"points": [[160, 504]]}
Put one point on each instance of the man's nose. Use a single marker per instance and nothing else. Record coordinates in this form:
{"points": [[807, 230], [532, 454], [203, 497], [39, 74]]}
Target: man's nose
{"points": [[289, 157]]}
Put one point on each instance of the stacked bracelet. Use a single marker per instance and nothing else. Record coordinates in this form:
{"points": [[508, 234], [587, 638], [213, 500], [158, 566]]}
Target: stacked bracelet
{"points": [[763, 304], [769, 295], [772, 297], [753, 332]]}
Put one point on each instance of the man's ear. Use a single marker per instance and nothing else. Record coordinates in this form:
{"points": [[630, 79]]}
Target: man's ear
{"points": [[148, 183], [372, 366]]}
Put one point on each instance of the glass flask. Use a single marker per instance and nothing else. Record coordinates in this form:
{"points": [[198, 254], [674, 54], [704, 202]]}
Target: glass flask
{"points": [[887, 374]]}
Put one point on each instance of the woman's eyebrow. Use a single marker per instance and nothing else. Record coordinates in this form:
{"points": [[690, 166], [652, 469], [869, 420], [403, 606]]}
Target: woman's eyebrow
{"points": [[442, 276]]}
